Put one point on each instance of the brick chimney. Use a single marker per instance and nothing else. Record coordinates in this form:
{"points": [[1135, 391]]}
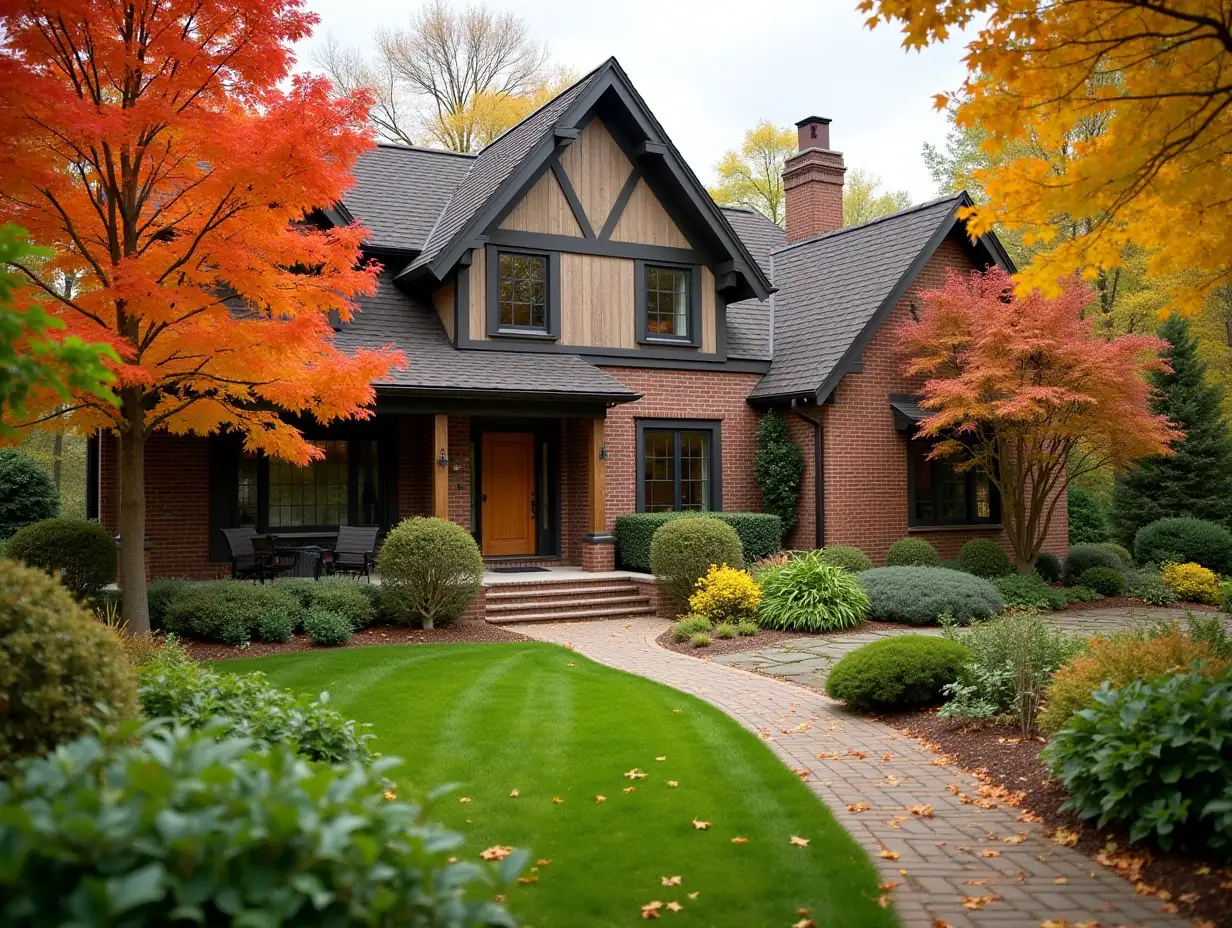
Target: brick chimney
{"points": [[813, 182]]}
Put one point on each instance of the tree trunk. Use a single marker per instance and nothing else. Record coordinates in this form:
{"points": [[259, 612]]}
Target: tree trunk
{"points": [[132, 520], [57, 455]]}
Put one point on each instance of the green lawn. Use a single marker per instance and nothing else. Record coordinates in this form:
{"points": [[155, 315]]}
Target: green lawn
{"points": [[549, 723]]}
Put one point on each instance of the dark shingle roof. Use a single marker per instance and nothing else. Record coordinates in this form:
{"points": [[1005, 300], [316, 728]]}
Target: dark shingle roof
{"points": [[400, 191], [759, 234], [748, 322], [831, 287], [433, 363]]}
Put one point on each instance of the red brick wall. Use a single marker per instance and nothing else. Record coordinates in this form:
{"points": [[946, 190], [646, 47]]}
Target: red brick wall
{"points": [[804, 534], [459, 470], [575, 488]]}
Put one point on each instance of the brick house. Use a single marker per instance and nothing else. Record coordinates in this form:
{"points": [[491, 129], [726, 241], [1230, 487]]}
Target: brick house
{"points": [[588, 334]]}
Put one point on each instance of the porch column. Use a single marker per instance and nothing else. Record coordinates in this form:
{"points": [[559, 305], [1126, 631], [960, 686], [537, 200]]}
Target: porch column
{"points": [[440, 474], [598, 546]]}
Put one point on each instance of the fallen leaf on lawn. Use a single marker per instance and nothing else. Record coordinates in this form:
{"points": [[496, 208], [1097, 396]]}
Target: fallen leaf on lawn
{"points": [[989, 852], [496, 852], [390, 795], [543, 862], [860, 806], [556, 800], [628, 789], [528, 879], [571, 664], [674, 906], [673, 783], [600, 799], [514, 794], [664, 757], [465, 799], [884, 900], [700, 825], [804, 923], [675, 711], [651, 909], [694, 895], [1064, 837], [797, 841], [889, 854], [670, 880], [888, 886], [740, 839], [922, 811], [499, 898], [635, 774]]}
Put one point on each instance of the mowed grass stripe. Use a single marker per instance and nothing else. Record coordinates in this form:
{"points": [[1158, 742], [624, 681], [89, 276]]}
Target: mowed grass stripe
{"points": [[550, 723]]}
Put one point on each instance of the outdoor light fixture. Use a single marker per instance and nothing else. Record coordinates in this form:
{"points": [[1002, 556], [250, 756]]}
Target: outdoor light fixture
{"points": [[603, 453], [443, 460]]}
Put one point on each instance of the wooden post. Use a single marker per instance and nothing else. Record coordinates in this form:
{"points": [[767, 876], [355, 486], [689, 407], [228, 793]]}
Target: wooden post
{"points": [[598, 511], [440, 475]]}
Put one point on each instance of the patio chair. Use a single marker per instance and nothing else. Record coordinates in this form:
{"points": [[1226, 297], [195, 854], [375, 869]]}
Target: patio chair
{"points": [[354, 552], [273, 562], [245, 565]]}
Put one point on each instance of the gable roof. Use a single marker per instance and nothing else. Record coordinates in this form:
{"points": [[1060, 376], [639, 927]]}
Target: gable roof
{"points": [[759, 234], [748, 321], [400, 191], [836, 289]]}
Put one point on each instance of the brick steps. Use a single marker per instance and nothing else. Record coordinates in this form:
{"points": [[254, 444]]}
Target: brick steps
{"points": [[570, 601]]}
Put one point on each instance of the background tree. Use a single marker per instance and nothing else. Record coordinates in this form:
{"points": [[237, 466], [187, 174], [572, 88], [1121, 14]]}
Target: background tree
{"points": [[752, 175], [863, 198], [1196, 478], [778, 468], [1023, 388], [167, 156], [1152, 75], [453, 78]]}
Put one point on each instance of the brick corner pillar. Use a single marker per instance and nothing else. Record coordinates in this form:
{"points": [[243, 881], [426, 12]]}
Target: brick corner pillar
{"points": [[598, 544], [813, 183]]}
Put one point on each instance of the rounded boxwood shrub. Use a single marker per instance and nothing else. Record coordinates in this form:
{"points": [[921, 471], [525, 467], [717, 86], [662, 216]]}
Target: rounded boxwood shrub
{"points": [[1106, 581], [114, 833], [234, 612], [1082, 558], [921, 595], [912, 552], [1183, 541], [684, 549], [27, 493], [160, 594], [1048, 566], [82, 552], [347, 600], [808, 595], [326, 627], [431, 571], [760, 534], [1154, 756], [984, 558], [57, 666], [1123, 555], [846, 557], [905, 670]]}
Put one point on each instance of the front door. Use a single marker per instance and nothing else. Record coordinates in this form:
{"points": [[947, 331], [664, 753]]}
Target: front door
{"points": [[507, 483]]}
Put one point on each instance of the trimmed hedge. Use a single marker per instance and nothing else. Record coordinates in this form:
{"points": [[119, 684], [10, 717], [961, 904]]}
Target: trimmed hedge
{"points": [[234, 612], [82, 552], [684, 550], [921, 595], [905, 670], [1183, 541], [984, 558], [912, 552], [760, 534], [1082, 558], [27, 493]]}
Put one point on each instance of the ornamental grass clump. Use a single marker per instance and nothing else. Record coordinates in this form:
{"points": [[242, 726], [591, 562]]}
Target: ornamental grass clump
{"points": [[683, 550], [810, 596], [921, 595], [689, 626], [700, 640], [724, 631], [747, 629], [725, 595], [904, 670], [1192, 582]]}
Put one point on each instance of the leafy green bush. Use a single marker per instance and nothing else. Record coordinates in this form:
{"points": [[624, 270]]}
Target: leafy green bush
{"points": [[903, 670], [700, 640], [1225, 596], [247, 706], [912, 552], [160, 594], [687, 627], [1183, 541], [27, 493], [760, 534], [181, 828], [725, 594], [1211, 631], [1154, 756], [1147, 584], [1088, 518], [346, 599], [82, 552], [683, 550], [1082, 594], [1123, 555], [302, 588], [326, 627], [234, 612], [810, 596], [1192, 582], [984, 558], [778, 469], [747, 629], [57, 667], [1029, 591], [1012, 661], [725, 630], [921, 595], [1048, 566], [846, 557], [1107, 581], [431, 571], [1082, 558]]}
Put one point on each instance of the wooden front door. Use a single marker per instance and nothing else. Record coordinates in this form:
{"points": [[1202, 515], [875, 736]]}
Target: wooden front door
{"points": [[507, 483]]}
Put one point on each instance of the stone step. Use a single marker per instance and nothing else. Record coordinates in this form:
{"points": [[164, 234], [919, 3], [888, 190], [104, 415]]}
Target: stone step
{"points": [[554, 604], [527, 591], [568, 615]]}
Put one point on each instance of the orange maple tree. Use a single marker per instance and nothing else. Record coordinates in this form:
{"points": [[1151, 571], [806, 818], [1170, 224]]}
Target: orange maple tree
{"points": [[1025, 390], [164, 152]]}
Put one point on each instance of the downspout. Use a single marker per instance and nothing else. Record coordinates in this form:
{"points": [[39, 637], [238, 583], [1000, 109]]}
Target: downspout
{"points": [[819, 479], [772, 292]]}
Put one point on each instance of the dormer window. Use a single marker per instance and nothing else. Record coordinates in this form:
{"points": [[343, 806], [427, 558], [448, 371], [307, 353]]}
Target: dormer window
{"points": [[668, 304], [523, 292]]}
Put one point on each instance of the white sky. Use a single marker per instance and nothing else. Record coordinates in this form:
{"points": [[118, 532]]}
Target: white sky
{"points": [[710, 70]]}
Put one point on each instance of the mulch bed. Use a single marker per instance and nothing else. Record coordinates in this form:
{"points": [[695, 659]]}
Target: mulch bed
{"points": [[1126, 602], [1001, 757], [765, 638], [464, 632]]}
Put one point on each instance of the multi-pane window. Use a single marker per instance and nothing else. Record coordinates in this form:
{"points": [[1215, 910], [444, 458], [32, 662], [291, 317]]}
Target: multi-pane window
{"points": [[313, 495], [940, 495], [676, 470], [667, 302], [523, 281], [246, 495]]}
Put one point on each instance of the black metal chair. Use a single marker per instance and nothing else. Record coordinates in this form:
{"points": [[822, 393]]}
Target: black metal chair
{"points": [[245, 565], [354, 552], [274, 562]]}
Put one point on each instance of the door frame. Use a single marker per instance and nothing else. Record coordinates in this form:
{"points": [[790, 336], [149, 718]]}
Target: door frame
{"points": [[547, 476]]}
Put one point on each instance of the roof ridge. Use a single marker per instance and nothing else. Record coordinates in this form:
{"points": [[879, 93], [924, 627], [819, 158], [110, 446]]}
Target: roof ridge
{"points": [[835, 233], [548, 102], [398, 146]]}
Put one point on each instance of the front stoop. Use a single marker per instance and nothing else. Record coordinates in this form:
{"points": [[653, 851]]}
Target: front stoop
{"points": [[566, 600]]}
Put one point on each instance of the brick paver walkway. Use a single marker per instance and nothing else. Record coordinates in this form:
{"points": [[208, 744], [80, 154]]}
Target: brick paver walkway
{"points": [[960, 852]]}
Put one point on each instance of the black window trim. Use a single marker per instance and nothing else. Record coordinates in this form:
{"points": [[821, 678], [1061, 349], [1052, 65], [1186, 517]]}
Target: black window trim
{"points": [[694, 339], [551, 331], [916, 446], [713, 426]]}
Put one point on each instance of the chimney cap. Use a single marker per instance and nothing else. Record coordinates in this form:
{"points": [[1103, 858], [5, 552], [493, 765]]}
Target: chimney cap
{"points": [[812, 119]]}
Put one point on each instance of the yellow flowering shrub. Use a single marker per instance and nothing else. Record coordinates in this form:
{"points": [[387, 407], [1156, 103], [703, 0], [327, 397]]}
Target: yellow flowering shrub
{"points": [[726, 594], [1192, 582]]}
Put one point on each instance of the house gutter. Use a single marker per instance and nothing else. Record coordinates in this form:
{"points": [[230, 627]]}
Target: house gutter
{"points": [[819, 478]]}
